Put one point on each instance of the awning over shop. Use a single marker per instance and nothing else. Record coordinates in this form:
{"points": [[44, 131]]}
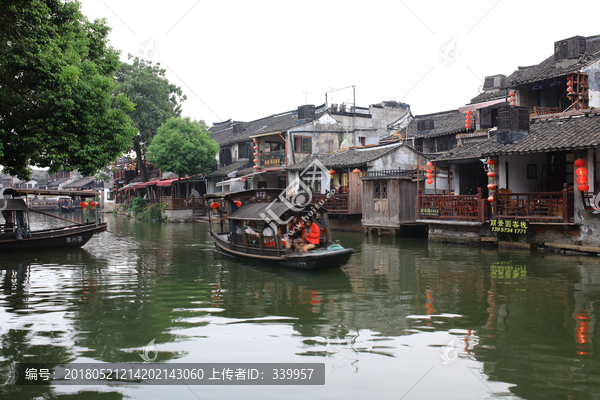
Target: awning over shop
{"points": [[168, 182], [139, 185], [477, 106], [228, 182]]}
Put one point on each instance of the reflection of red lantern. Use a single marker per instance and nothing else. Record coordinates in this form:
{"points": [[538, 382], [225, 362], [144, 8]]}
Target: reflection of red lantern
{"points": [[331, 172], [429, 181], [429, 176], [83, 204], [582, 179], [491, 161], [238, 203], [581, 171], [583, 188], [580, 163], [214, 205], [492, 174]]}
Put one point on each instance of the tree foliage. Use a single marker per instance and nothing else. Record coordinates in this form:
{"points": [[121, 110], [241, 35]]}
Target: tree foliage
{"points": [[156, 100], [183, 146], [57, 102]]}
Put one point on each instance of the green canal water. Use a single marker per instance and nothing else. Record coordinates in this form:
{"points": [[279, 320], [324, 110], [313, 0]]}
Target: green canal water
{"points": [[405, 319]]}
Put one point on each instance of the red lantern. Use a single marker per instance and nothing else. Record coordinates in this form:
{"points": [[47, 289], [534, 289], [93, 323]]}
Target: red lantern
{"points": [[569, 83], [83, 204], [582, 179], [356, 171], [511, 99], [580, 163], [429, 181], [429, 176], [429, 171], [255, 140], [569, 89], [238, 203], [332, 172], [491, 198], [491, 186], [93, 204], [255, 167], [255, 154], [511, 93], [468, 126], [491, 161], [492, 174], [468, 112], [256, 160], [429, 164], [583, 188], [214, 205], [255, 147], [581, 171]]}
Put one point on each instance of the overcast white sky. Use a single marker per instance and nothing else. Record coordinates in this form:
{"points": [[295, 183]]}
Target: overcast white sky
{"points": [[246, 60]]}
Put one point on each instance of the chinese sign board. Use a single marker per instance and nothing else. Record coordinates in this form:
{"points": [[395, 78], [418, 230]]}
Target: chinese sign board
{"points": [[271, 162], [430, 212], [509, 226]]}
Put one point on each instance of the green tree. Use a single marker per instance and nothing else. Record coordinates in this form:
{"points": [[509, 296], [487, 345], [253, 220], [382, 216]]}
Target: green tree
{"points": [[183, 146], [156, 100], [57, 107]]}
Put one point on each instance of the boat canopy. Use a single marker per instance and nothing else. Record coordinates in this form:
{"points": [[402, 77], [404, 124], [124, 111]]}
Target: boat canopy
{"points": [[12, 205], [253, 212]]}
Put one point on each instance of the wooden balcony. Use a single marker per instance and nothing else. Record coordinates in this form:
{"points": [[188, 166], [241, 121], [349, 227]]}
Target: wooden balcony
{"points": [[191, 203], [337, 204], [553, 207], [272, 159], [450, 207]]}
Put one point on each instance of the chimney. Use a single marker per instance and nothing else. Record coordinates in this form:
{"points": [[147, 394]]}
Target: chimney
{"points": [[494, 83], [306, 111], [568, 51], [238, 128], [513, 124]]}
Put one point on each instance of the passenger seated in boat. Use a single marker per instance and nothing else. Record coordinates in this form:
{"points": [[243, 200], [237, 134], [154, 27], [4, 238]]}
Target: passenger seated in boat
{"points": [[250, 229], [269, 236], [239, 229], [312, 235]]}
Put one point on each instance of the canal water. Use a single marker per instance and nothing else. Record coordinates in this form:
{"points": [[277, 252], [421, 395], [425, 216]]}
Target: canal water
{"points": [[405, 319]]}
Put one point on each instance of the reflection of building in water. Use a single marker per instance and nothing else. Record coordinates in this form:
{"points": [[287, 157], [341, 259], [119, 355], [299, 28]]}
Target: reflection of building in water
{"points": [[14, 287]]}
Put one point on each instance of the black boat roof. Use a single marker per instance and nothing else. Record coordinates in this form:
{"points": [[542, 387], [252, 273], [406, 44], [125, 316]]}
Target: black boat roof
{"points": [[12, 205], [49, 192], [264, 211]]}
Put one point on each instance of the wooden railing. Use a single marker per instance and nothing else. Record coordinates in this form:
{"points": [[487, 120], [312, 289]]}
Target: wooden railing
{"points": [[451, 207], [174, 203], [536, 207], [336, 204], [256, 244], [273, 159]]}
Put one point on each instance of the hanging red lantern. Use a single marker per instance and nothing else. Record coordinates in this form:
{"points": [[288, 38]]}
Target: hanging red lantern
{"points": [[468, 126], [332, 172], [255, 147], [429, 181], [511, 99], [492, 174], [580, 162], [256, 160], [255, 167], [214, 205], [569, 89], [429, 176], [583, 188], [429, 171], [491, 161], [356, 171], [581, 171], [255, 154], [93, 204], [468, 112], [569, 82], [491, 198], [429, 164], [582, 179], [491, 186], [255, 140], [83, 204], [238, 203]]}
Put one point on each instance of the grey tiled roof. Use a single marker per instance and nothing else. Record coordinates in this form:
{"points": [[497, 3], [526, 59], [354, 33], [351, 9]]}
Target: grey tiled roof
{"points": [[547, 68], [224, 171], [351, 158], [555, 134], [488, 97], [444, 123], [466, 151], [79, 183], [223, 134]]}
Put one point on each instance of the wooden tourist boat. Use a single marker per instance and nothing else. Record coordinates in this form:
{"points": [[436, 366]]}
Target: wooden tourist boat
{"points": [[260, 205], [16, 234]]}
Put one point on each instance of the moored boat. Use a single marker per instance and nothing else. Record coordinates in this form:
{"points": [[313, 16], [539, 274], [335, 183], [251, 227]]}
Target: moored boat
{"points": [[16, 233], [264, 206]]}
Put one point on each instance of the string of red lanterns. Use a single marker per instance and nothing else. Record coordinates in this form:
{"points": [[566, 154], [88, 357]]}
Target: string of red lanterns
{"points": [[255, 154], [492, 175], [469, 119], [429, 172], [512, 98], [581, 172]]}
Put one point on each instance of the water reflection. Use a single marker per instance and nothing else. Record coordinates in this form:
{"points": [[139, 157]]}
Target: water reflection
{"points": [[522, 325]]}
